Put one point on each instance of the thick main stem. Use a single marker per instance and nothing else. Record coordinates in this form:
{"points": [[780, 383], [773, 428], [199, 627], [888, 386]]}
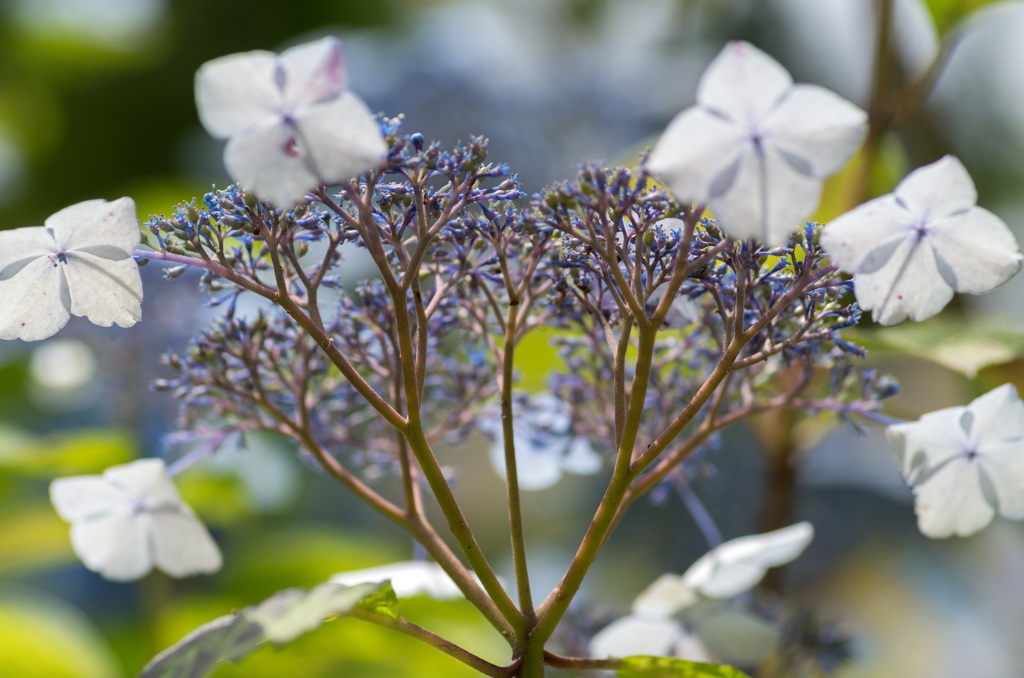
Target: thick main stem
{"points": [[515, 511]]}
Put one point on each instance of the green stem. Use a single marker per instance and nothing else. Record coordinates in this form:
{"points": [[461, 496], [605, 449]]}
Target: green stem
{"points": [[435, 641], [515, 511]]}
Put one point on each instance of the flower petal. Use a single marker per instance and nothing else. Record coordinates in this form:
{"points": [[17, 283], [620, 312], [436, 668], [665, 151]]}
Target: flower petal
{"points": [[768, 200], [20, 246], [272, 161], [924, 445], [84, 497], [146, 481], [1004, 467], [951, 501], [816, 128], [538, 468], [237, 91], [632, 635], [36, 302], [735, 566], [343, 138], [742, 83], [181, 545], [665, 597], [937, 190], [116, 545], [909, 284], [109, 230], [865, 238], [997, 416], [313, 72], [695, 152], [976, 249], [106, 292]]}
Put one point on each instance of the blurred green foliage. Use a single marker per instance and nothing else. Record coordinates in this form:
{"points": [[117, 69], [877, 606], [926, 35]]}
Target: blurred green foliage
{"points": [[105, 120]]}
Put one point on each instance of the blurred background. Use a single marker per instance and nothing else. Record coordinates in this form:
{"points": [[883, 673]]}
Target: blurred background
{"points": [[96, 101]]}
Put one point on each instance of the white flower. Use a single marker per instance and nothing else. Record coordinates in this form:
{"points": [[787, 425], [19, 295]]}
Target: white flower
{"points": [[910, 250], [545, 446], [654, 636], [80, 262], [290, 120], [965, 464], [131, 519], [733, 567], [408, 578], [710, 630], [756, 147]]}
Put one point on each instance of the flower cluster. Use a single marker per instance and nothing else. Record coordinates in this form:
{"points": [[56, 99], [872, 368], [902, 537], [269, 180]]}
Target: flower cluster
{"points": [[671, 323]]}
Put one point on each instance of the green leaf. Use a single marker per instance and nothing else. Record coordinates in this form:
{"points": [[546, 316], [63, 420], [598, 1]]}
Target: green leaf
{"points": [[82, 452], [667, 667], [962, 346], [537, 358], [946, 13], [383, 602], [287, 615], [42, 636], [280, 619]]}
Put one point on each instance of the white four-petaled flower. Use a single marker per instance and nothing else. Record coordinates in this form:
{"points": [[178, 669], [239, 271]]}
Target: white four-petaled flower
{"points": [[911, 249], [80, 262], [132, 519], [756, 147], [965, 464], [290, 121], [653, 626]]}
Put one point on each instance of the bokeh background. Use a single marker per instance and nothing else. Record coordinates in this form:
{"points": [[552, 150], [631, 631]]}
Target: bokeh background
{"points": [[96, 101]]}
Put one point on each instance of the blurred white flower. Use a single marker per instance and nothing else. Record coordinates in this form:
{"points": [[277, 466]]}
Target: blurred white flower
{"points": [[132, 519], [673, 616], [408, 578], [654, 636], [80, 262], [911, 249], [965, 464], [545, 446], [63, 364], [731, 568], [756, 148], [290, 121]]}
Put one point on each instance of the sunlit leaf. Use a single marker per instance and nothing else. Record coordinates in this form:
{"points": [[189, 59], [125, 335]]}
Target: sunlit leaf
{"points": [[537, 358], [42, 636], [962, 346], [279, 619], [287, 615], [667, 667], [78, 453], [946, 13], [383, 602]]}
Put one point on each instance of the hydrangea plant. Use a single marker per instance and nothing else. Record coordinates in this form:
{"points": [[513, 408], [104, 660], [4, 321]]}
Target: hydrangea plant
{"points": [[686, 294]]}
